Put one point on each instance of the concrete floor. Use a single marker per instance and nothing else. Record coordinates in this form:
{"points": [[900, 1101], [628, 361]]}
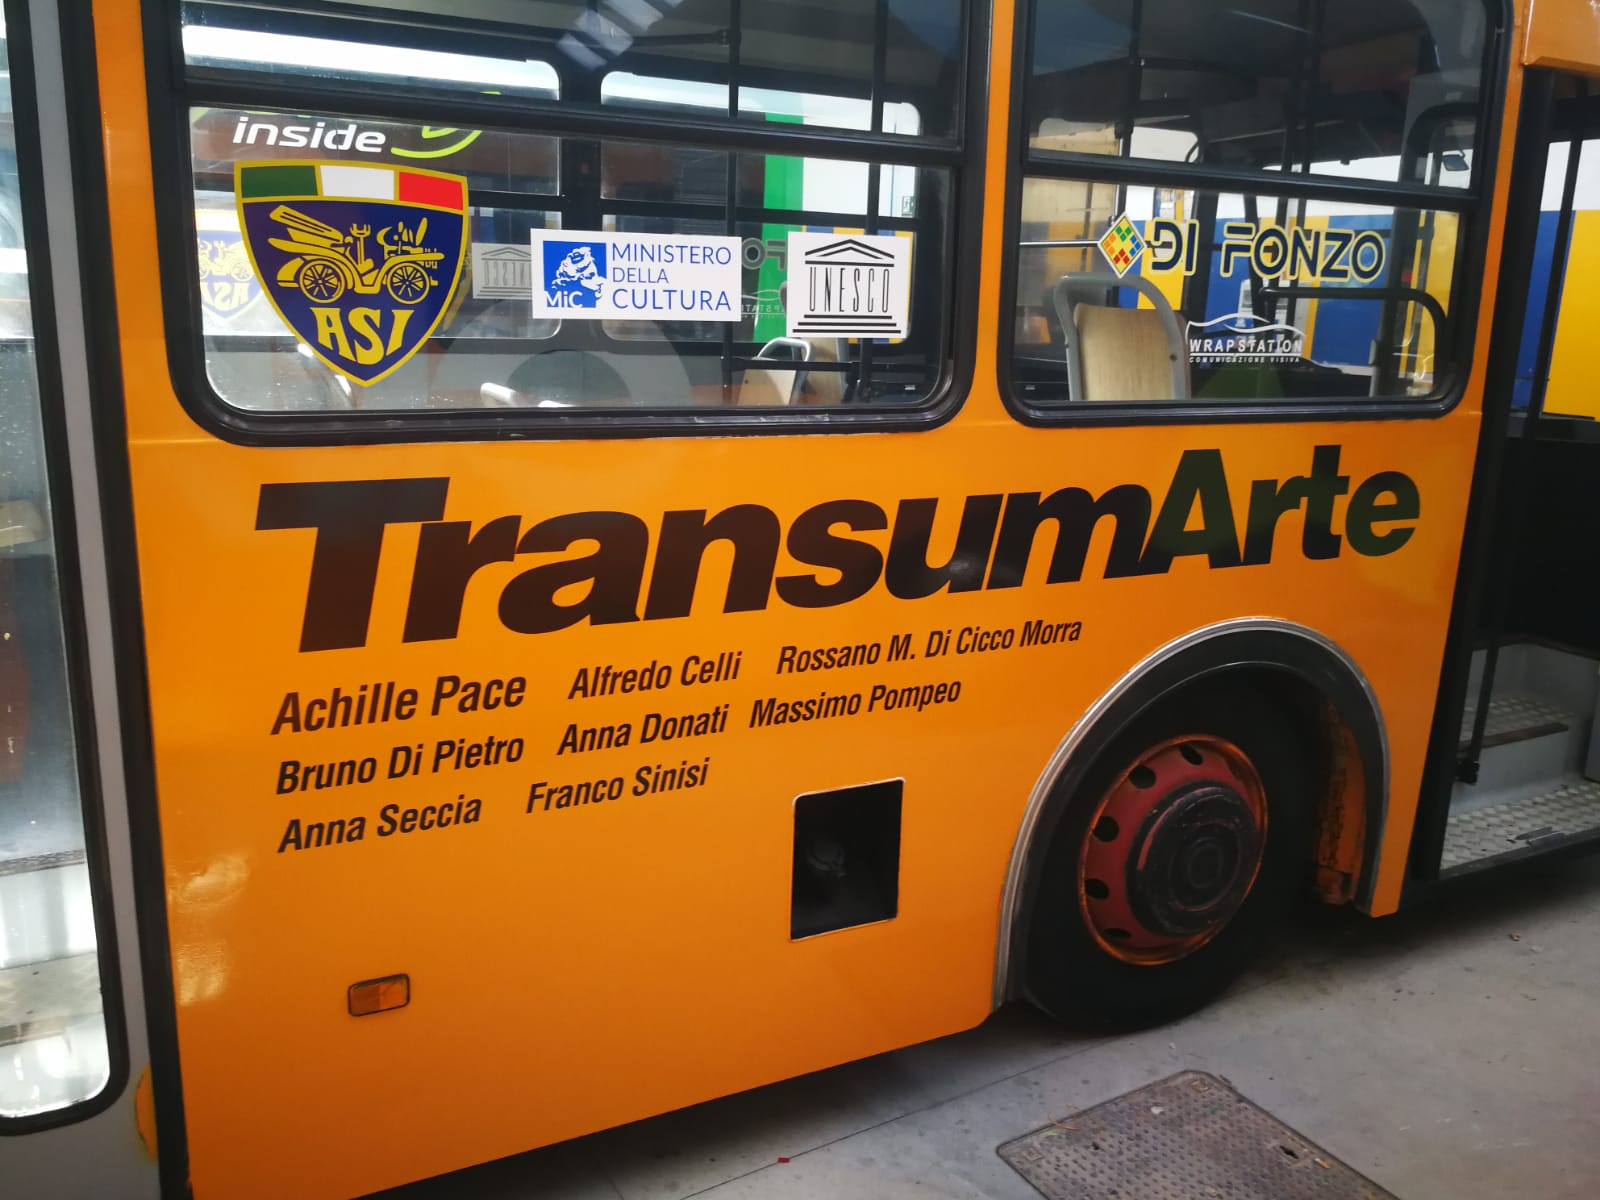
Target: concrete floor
{"points": [[1450, 1053]]}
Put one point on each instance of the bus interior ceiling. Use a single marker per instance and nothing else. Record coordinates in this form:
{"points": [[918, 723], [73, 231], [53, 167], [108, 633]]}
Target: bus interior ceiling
{"points": [[789, 36], [1529, 777], [1313, 92]]}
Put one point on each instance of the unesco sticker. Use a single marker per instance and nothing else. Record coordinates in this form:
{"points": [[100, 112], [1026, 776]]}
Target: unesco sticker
{"points": [[856, 285]]}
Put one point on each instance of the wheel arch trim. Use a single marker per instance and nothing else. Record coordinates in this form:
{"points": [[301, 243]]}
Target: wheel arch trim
{"points": [[1240, 644]]}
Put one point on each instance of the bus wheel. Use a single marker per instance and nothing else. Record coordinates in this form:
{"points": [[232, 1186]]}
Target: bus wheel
{"points": [[1186, 841]]}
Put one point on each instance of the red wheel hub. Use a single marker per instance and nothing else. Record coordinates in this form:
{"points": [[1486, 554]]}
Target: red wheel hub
{"points": [[1172, 850]]}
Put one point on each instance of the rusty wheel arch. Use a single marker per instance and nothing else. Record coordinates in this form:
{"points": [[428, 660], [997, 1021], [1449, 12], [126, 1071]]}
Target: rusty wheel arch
{"points": [[1316, 681]]}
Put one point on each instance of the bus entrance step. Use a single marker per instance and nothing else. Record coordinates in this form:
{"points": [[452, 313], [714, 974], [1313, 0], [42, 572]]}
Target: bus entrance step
{"points": [[1529, 745], [1560, 817], [1188, 1136], [1514, 719]]}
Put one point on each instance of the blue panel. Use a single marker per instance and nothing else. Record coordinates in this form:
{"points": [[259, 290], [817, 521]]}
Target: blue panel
{"points": [[1544, 252], [1346, 329]]}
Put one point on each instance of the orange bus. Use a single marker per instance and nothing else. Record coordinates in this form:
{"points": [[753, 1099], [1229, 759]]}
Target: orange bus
{"points": [[563, 559]]}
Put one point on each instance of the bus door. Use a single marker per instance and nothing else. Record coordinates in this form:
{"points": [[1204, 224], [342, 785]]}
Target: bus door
{"points": [[73, 1052], [1516, 768]]}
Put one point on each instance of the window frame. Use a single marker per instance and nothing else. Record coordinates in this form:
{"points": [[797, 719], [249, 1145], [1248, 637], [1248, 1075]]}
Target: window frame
{"points": [[20, 48], [1474, 207], [173, 87]]}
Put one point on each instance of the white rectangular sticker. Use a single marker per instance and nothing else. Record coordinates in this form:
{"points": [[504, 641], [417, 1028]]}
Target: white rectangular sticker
{"points": [[849, 285], [579, 275], [501, 271]]}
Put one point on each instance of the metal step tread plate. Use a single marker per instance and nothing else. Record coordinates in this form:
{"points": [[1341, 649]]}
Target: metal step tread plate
{"points": [[36, 999], [1513, 717], [42, 862], [1563, 813]]}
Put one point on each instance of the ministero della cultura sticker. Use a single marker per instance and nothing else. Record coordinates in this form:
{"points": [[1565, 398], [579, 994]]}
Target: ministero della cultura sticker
{"points": [[584, 276], [849, 285]]}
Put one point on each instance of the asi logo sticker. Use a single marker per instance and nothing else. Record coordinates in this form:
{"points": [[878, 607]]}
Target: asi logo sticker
{"points": [[1122, 246], [360, 261], [228, 286]]}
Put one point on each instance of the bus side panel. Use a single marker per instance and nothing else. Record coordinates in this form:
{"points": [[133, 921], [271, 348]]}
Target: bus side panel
{"points": [[577, 962]]}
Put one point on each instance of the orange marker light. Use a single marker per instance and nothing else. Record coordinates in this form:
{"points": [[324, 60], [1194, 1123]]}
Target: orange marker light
{"points": [[379, 995]]}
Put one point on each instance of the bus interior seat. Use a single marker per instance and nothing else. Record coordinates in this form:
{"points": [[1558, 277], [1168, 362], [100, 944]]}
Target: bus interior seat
{"points": [[1113, 353], [336, 386], [1124, 353], [497, 395], [792, 383], [578, 377], [822, 388], [21, 522], [773, 387]]}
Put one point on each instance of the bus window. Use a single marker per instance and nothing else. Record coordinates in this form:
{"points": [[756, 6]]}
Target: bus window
{"points": [[787, 50], [52, 1028], [1268, 298], [287, 306], [1145, 274]]}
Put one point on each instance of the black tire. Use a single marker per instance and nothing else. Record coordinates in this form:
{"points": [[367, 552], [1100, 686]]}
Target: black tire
{"points": [[1069, 973]]}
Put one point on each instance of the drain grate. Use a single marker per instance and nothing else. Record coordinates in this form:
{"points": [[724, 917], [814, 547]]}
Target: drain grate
{"points": [[1190, 1137]]}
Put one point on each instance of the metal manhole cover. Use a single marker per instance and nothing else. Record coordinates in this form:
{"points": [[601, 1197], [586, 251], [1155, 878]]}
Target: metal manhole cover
{"points": [[1190, 1137]]}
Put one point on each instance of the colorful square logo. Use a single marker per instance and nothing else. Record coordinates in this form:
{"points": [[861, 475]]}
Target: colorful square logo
{"points": [[1123, 246]]}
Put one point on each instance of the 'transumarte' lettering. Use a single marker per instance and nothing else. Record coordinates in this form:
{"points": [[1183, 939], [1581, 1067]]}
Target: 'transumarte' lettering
{"points": [[598, 567]]}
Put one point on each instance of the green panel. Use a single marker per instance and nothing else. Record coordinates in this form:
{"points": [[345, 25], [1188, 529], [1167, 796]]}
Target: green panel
{"points": [[256, 182], [784, 187]]}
